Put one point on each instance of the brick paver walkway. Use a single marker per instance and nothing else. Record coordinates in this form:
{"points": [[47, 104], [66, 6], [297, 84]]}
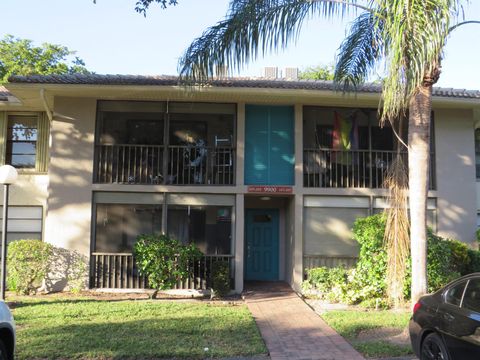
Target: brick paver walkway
{"points": [[291, 329]]}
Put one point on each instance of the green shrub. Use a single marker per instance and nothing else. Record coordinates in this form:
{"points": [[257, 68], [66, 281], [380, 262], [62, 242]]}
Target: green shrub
{"points": [[474, 261], [27, 264], [369, 280], [163, 260], [220, 278], [441, 266], [366, 284], [459, 256], [326, 283]]}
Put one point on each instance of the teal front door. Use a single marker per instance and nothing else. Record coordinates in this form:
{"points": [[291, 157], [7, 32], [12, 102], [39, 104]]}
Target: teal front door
{"points": [[261, 244]]}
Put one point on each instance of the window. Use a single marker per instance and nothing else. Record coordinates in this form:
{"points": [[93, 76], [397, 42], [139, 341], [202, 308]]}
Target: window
{"points": [[22, 131], [24, 222], [471, 299], [454, 294], [477, 152]]}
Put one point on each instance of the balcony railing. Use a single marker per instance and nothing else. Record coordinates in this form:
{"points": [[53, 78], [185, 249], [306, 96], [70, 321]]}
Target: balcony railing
{"points": [[328, 168], [119, 271], [157, 164]]}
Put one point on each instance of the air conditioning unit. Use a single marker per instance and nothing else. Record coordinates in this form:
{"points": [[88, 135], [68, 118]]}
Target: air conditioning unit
{"points": [[270, 72], [291, 73]]}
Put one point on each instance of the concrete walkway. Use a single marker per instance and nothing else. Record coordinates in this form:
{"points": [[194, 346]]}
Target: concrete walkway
{"points": [[291, 329]]}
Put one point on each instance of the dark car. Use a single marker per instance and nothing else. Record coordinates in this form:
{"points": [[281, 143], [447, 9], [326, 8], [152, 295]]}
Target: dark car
{"points": [[446, 324]]}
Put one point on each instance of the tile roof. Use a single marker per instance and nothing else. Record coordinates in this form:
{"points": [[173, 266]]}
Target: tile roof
{"points": [[234, 82]]}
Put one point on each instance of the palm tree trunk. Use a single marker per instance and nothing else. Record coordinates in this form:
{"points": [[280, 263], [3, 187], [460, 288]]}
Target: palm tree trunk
{"points": [[418, 168]]}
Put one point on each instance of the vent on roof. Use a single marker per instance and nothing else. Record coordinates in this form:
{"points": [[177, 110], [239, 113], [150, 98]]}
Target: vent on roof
{"points": [[291, 73], [270, 72]]}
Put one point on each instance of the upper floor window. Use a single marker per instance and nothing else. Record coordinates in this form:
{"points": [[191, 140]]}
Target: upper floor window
{"points": [[21, 150], [477, 152]]}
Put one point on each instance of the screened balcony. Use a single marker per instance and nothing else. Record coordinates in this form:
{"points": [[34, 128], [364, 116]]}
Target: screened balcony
{"points": [[150, 143], [346, 148]]}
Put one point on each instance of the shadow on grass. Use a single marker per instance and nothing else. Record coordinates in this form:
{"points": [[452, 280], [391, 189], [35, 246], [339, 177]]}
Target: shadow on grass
{"points": [[170, 335], [16, 304], [32, 301]]}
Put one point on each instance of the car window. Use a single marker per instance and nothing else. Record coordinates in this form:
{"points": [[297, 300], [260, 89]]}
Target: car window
{"points": [[454, 294], [471, 300]]}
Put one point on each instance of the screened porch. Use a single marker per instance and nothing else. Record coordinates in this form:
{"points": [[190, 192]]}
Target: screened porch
{"points": [[346, 148], [121, 217], [172, 143]]}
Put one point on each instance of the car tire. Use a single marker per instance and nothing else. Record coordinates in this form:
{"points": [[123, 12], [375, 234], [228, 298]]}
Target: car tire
{"points": [[433, 348], [3, 351]]}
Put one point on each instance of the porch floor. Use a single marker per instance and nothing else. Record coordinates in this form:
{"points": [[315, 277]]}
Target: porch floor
{"points": [[290, 328]]}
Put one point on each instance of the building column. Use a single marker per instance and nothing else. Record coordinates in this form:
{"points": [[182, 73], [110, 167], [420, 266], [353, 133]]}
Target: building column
{"points": [[239, 241], [298, 202], [240, 167], [298, 244], [298, 148]]}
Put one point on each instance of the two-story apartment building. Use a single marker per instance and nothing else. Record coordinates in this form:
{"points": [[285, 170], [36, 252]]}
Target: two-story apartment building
{"points": [[267, 174]]}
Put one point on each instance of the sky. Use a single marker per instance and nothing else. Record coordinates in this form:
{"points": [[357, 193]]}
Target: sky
{"points": [[113, 39]]}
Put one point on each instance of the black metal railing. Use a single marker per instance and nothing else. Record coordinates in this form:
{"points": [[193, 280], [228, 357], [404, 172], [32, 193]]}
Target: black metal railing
{"points": [[129, 164], [157, 164], [189, 165], [119, 271], [328, 168]]}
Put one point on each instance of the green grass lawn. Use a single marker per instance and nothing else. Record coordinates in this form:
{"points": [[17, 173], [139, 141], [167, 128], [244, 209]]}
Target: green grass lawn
{"points": [[351, 323], [63, 328]]}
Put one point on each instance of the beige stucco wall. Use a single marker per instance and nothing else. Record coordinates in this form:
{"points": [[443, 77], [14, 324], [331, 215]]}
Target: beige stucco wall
{"points": [[69, 206], [29, 189], [455, 164], [69, 184]]}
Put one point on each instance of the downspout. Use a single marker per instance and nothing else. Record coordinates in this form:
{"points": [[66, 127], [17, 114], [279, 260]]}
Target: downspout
{"points": [[45, 105]]}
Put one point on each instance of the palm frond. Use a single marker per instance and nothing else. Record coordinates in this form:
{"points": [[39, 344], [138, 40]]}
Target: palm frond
{"points": [[414, 33], [251, 28], [359, 52]]}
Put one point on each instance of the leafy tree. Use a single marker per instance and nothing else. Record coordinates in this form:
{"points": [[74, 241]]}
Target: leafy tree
{"points": [[21, 57], [141, 6], [407, 36], [320, 72]]}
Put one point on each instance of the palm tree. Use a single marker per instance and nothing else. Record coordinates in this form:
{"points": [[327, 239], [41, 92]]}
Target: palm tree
{"points": [[407, 36]]}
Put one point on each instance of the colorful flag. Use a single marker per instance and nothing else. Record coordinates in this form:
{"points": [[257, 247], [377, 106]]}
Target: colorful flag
{"points": [[345, 137]]}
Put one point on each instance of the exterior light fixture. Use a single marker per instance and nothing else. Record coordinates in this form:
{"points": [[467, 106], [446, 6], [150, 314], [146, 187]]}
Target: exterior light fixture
{"points": [[8, 176]]}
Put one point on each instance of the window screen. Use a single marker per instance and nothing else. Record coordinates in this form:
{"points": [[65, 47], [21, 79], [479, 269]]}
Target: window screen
{"points": [[209, 227], [327, 231], [118, 225]]}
